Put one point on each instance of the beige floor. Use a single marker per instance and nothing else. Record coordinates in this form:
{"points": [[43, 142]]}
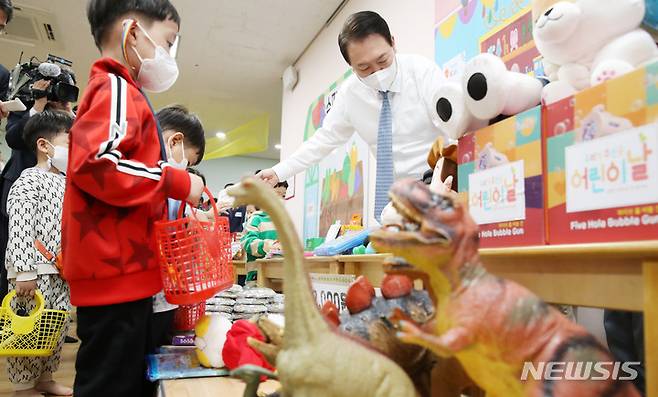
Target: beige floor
{"points": [[65, 375]]}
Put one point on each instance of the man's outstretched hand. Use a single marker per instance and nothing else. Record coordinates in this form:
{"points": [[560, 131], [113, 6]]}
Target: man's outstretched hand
{"points": [[268, 176]]}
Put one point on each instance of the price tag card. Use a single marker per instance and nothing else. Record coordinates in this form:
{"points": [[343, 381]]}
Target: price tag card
{"points": [[331, 287]]}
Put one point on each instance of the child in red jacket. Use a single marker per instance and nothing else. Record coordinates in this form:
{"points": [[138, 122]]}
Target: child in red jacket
{"points": [[118, 181]]}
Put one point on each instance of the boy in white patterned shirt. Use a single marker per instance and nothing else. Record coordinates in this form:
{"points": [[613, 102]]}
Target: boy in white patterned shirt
{"points": [[34, 206]]}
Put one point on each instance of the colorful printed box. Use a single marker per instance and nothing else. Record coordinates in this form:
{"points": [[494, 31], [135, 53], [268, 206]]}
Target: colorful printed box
{"points": [[500, 175], [602, 162]]}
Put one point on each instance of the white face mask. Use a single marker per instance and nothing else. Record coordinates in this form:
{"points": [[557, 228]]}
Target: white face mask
{"points": [[60, 158], [181, 165], [382, 80], [157, 74]]}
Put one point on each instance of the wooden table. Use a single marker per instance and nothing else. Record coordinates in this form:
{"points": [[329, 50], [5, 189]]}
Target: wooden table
{"points": [[620, 276], [365, 265], [239, 269], [270, 271], [211, 387]]}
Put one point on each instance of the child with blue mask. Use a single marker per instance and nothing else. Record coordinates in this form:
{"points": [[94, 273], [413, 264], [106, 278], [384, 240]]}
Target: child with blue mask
{"points": [[185, 145]]}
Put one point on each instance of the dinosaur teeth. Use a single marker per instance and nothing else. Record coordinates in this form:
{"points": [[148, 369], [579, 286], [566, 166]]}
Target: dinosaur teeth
{"points": [[411, 226]]}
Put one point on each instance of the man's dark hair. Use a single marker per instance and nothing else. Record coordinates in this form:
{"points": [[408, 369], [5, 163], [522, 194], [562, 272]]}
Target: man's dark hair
{"points": [[360, 25], [178, 118], [282, 184], [257, 171], [102, 14], [7, 8], [197, 173], [46, 125], [427, 177]]}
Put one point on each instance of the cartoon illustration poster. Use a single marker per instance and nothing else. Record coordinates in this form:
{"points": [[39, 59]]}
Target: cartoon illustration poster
{"points": [[343, 175], [334, 189], [500, 27]]}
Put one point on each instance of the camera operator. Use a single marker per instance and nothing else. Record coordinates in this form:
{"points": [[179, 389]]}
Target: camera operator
{"points": [[21, 158], [6, 13]]}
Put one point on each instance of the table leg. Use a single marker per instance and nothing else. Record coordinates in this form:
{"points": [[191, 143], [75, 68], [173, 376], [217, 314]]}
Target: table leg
{"points": [[335, 268], [260, 276], [650, 276], [350, 268]]}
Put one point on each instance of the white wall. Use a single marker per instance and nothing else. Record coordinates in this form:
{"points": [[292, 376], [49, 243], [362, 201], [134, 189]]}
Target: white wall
{"points": [[411, 23], [219, 172]]}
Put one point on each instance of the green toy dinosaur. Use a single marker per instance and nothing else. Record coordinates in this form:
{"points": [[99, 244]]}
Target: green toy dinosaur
{"points": [[314, 360]]}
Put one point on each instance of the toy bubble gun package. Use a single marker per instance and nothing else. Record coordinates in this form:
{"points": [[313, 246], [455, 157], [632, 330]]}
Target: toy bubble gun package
{"points": [[344, 243]]}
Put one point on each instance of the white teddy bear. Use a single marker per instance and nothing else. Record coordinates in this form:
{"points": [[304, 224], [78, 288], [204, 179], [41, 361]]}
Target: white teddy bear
{"points": [[586, 42]]}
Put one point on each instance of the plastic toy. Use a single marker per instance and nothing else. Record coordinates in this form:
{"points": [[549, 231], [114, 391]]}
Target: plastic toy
{"points": [[252, 376], [314, 360], [211, 333], [343, 243], [491, 325], [372, 324]]}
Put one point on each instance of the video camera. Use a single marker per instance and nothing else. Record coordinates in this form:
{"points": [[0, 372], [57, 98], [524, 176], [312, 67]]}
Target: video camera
{"points": [[55, 69]]}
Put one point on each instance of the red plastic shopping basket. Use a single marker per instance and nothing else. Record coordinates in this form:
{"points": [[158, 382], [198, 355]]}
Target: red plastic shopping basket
{"points": [[186, 317], [195, 256]]}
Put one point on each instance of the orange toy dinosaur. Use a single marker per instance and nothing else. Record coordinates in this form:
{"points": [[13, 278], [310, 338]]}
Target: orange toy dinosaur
{"points": [[493, 326]]}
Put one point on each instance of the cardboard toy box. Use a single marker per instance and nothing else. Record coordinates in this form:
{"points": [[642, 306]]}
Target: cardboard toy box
{"points": [[500, 176], [602, 162]]}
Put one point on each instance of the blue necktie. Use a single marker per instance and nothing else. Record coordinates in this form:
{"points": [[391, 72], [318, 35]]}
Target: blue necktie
{"points": [[385, 170]]}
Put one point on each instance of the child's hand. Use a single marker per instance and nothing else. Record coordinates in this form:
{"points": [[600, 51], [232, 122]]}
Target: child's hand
{"points": [[196, 189], [201, 216], [26, 288]]}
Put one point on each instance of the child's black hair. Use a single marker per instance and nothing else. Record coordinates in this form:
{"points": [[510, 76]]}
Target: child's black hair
{"points": [[282, 184], [46, 125], [7, 8], [197, 173], [103, 13], [178, 118]]}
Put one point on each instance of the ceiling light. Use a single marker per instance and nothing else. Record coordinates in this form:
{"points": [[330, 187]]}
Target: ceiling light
{"points": [[277, 146], [221, 135]]}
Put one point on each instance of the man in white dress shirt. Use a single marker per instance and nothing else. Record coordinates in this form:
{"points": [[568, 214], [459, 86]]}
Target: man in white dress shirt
{"points": [[409, 82]]}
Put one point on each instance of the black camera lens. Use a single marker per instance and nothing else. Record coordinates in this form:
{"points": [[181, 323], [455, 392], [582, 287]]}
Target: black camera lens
{"points": [[64, 92]]}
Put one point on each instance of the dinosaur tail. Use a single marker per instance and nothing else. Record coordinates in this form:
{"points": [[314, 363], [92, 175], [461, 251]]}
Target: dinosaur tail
{"points": [[585, 342]]}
